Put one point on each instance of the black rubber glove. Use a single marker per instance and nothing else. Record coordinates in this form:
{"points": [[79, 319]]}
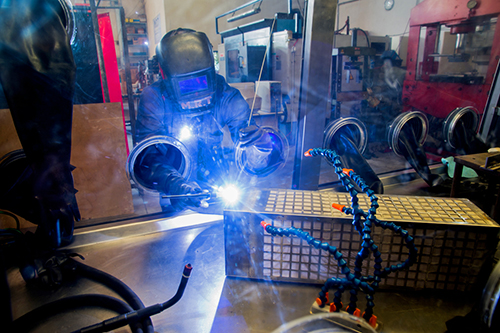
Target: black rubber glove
{"points": [[177, 185], [54, 191]]}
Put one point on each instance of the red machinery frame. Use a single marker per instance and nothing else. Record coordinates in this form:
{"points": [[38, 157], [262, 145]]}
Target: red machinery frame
{"points": [[440, 98]]}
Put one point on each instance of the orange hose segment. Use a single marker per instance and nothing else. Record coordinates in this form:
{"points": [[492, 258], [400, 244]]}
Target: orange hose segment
{"points": [[338, 206]]}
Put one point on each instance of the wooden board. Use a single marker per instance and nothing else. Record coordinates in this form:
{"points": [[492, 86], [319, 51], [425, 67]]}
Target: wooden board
{"points": [[98, 152]]}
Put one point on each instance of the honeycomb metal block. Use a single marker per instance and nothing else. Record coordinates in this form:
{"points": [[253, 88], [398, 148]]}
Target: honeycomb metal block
{"points": [[453, 236]]}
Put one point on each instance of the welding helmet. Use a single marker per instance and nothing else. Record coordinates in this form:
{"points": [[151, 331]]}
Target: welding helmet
{"points": [[187, 64], [261, 151]]}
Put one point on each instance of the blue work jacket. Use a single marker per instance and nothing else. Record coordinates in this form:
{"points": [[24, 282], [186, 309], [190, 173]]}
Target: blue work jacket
{"points": [[159, 114]]}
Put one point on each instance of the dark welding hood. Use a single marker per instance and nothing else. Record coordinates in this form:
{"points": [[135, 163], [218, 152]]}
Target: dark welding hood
{"points": [[186, 60]]}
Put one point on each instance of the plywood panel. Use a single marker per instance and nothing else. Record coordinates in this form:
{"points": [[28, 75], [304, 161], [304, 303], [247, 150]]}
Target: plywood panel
{"points": [[99, 154]]}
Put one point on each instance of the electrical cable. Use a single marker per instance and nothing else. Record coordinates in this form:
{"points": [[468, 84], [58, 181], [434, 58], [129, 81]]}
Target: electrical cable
{"points": [[366, 36], [133, 316], [30, 319], [404, 33], [131, 309], [18, 225], [116, 285], [346, 24]]}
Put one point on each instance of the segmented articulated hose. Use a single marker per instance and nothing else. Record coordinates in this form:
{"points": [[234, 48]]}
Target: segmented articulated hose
{"points": [[363, 223]]}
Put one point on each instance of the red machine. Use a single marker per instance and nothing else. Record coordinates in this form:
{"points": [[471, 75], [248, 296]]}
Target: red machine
{"points": [[453, 53]]}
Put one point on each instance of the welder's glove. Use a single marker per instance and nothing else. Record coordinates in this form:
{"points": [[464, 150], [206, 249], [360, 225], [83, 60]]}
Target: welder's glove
{"points": [[54, 191], [179, 186]]}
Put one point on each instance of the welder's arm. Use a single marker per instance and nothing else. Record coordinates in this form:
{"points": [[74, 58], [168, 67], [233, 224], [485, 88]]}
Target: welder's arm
{"points": [[156, 166], [236, 111], [177, 185], [156, 169], [150, 115]]}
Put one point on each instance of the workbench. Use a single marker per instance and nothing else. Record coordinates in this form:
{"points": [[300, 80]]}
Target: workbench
{"points": [[477, 162], [149, 256]]}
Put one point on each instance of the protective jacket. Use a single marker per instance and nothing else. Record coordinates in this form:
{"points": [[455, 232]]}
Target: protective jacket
{"points": [[160, 114]]}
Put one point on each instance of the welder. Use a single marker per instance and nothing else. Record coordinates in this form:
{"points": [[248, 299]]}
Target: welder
{"points": [[190, 97]]}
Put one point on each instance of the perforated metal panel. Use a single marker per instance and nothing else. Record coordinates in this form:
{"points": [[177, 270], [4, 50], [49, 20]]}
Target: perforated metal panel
{"points": [[453, 238], [392, 208]]}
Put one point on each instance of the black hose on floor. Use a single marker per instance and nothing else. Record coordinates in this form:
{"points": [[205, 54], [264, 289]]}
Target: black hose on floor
{"points": [[117, 286], [32, 318], [134, 316], [130, 308]]}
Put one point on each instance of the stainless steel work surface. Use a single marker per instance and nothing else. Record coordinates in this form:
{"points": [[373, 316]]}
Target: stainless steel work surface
{"points": [[149, 257]]}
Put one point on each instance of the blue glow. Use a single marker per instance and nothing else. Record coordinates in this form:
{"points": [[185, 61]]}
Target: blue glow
{"points": [[229, 193], [193, 85]]}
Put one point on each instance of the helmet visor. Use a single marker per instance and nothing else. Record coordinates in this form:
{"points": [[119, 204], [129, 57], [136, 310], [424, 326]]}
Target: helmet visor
{"points": [[195, 90]]}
